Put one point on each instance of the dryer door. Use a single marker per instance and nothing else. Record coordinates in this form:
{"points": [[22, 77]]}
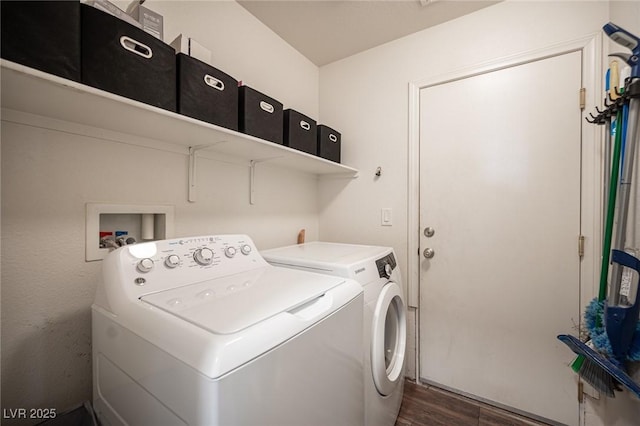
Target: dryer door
{"points": [[388, 338]]}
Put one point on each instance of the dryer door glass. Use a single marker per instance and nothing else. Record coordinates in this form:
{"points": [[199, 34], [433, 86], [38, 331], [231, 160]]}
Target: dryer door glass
{"points": [[388, 339], [391, 336]]}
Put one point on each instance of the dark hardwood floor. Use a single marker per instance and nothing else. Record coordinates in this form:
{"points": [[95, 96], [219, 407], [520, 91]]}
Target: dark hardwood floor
{"points": [[427, 406]]}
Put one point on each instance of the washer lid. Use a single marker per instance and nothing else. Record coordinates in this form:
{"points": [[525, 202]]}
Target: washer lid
{"points": [[322, 255], [230, 304]]}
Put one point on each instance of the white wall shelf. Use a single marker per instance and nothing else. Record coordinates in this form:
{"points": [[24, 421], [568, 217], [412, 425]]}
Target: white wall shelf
{"points": [[34, 92]]}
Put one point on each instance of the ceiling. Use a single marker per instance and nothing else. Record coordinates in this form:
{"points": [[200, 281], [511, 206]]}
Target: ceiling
{"points": [[328, 30]]}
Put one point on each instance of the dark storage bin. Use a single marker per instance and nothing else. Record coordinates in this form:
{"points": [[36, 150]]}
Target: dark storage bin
{"points": [[206, 93], [300, 132], [260, 115], [125, 60], [44, 35], [328, 143]]}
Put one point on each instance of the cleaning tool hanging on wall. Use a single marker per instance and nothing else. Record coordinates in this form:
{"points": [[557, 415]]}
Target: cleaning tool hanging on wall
{"points": [[621, 317], [593, 313], [590, 371], [620, 341]]}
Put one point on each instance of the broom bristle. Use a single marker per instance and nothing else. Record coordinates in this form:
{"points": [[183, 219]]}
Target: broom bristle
{"points": [[598, 377]]}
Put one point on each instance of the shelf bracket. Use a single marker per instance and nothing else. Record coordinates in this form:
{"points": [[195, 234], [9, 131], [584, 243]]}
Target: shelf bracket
{"points": [[252, 177], [193, 151]]}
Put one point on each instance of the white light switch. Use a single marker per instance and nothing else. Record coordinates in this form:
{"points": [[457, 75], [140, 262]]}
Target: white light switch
{"points": [[386, 217]]}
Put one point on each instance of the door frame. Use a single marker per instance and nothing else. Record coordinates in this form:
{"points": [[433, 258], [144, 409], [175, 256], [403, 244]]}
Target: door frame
{"points": [[593, 63]]}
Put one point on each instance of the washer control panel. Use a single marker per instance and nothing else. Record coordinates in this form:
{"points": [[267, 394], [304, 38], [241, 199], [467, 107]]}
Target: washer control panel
{"points": [[200, 251], [161, 265]]}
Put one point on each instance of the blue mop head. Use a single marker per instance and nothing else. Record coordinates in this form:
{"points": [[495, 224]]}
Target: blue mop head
{"points": [[593, 315], [594, 322]]}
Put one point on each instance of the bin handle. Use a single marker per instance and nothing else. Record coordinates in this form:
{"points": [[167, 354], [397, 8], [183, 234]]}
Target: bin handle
{"points": [[136, 47], [333, 138], [213, 82], [267, 107], [305, 125]]}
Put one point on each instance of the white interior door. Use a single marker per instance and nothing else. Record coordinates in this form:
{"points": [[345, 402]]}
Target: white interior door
{"points": [[500, 186]]}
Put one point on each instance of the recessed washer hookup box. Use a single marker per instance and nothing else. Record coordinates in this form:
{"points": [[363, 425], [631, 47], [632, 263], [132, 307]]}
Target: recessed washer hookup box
{"points": [[125, 60], [329, 144], [260, 115], [300, 132], [206, 93], [44, 35]]}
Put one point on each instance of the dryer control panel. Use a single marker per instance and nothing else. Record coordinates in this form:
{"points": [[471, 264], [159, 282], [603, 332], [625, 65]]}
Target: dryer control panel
{"points": [[386, 265]]}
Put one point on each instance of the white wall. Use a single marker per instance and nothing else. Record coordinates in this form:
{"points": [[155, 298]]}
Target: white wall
{"points": [[366, 97], [49, 175], [244, 48]]}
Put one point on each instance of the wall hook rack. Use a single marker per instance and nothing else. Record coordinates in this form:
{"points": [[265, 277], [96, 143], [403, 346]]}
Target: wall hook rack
{"points": [[612, 106]]}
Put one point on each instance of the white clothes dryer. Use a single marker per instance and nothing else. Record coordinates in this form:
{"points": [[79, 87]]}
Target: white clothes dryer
{"points": [[385, 329], [203, 331]]}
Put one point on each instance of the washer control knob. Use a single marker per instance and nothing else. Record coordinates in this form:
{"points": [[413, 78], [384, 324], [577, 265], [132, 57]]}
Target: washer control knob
{"points": [[245, 249], [203, 256], [388, 270], [145, 265], [230, 252], [172, 261]]}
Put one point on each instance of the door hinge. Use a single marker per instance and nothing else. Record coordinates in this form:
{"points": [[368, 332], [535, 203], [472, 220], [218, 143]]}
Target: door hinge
{"points": [[583, 98], [580, 392], [581, 246]]}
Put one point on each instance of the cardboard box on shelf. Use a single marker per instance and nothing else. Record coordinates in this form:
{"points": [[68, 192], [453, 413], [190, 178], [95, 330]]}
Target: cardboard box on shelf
{"points": [[152, 22], [107, 6], [190, 47]]}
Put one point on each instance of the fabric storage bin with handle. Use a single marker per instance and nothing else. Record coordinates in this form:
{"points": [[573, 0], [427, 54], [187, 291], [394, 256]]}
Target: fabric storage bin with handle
{"points": [[260, 115], [329, 144], [44, 35], [300, 132], [125, 60], [206, 93]]}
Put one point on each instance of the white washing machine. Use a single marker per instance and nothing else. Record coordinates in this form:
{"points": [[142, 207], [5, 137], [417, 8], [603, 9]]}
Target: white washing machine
{"points": [[202, 331], [385, 329]]}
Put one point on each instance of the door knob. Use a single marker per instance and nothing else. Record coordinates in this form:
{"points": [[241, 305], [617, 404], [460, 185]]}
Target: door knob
{"points": [[428, 253], [429, 231]]}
